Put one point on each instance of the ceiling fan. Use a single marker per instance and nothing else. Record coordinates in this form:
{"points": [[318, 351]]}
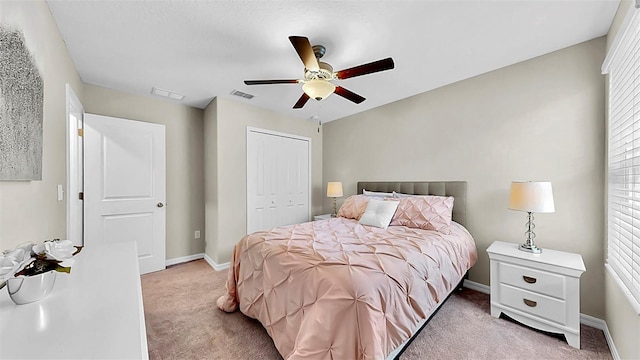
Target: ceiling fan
{"points": [[318, 75]]}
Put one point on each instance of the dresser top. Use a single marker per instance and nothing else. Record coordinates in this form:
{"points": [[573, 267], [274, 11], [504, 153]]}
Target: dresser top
{"points": [[548, 256], [94, 312]]}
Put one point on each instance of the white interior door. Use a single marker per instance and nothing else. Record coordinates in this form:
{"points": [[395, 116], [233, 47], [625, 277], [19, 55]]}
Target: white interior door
{"points": [[278, 179], [124, 186]]}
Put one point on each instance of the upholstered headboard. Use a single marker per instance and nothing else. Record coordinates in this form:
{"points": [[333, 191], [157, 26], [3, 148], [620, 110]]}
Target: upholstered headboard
{"points": [[457, 189]]}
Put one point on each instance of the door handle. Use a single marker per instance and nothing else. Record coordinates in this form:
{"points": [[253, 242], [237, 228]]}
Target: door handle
{"points": [[160, 205]]}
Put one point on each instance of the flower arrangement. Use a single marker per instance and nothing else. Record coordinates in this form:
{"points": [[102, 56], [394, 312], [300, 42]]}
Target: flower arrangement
{"points": [[34, 259]]}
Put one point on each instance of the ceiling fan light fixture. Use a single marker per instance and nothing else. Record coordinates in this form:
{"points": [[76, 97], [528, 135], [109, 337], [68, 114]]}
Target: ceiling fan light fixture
{"points": [[318, 89]]}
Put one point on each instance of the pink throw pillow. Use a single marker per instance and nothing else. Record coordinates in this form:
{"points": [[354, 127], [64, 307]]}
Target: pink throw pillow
{"points": [[353, 207], [425, 212]]}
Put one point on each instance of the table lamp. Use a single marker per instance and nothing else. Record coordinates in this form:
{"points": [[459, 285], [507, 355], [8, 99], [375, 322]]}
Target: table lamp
{"points": [[334, 190], [531, 197]]}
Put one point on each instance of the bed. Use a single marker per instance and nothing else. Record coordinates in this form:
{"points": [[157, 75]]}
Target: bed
{"points": [[337, 289]]}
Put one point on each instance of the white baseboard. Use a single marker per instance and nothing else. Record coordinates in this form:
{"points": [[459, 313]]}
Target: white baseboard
{"points": [[602, 325], [184, 259], [477, 286], [584, 319], [592, 321], [209, 260], [607, 335], [214, 265]]}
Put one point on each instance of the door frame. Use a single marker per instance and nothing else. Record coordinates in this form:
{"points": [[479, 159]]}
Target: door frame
{"points": [[282, 134], [75, 174]]}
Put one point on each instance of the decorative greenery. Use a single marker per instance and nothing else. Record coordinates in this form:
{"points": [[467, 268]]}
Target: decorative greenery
{"points": [[42, 264]]}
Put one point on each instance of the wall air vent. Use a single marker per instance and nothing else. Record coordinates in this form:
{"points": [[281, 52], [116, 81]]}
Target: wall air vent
{"points": [[166, 93], [242, 94]]}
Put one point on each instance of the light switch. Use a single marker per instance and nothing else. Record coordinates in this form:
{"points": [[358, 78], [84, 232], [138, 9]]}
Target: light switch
{"points": [[60, 193], [197, 234]]}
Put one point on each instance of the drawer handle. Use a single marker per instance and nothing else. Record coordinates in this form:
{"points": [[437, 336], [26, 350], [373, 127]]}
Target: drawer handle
{"points": [[529, 279], [530, 303]]}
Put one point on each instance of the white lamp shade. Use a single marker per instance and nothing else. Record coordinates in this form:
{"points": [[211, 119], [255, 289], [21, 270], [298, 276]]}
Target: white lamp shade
{"points": [[532, 196], [318, 89], [334, 189]]}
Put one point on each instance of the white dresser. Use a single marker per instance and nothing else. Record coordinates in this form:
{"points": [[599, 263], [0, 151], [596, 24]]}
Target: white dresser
{"points": [[538, 290], [93, 313]]}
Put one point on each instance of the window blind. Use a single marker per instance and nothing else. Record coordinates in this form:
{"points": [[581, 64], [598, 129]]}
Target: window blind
{"points": [[624, 158]]}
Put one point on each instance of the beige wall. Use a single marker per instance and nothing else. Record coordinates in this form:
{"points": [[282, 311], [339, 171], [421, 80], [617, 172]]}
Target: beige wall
{"points": [[185, 159], [622, 321], [541, 119], [229, 189], [29, 210]]}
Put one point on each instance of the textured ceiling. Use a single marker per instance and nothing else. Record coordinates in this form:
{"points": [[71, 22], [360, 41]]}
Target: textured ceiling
{"points": [[205, 49]]}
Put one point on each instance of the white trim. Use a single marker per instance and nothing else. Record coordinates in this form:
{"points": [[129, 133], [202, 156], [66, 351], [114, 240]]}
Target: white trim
{"points": [[632, 300], [209, 260], [613, 50], [477, 286], [214, 265], [602, 325], [609, 338], [594, 322], [74, 170], [184, 259], [278, 133]]}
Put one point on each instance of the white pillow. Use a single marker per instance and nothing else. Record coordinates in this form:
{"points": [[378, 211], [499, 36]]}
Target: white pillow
{"points": [[401, 195], [376, 194], [379, 213]]}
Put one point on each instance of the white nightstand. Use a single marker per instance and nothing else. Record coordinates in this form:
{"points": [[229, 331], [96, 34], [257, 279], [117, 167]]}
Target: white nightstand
{"points": [[538, 290], [322, 217]]}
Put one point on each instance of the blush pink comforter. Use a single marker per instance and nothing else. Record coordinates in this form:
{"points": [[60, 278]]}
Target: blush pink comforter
{"points": [[335, 289]]}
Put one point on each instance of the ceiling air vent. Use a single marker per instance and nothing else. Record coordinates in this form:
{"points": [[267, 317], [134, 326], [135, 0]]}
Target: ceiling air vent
{"points": [[166, 93], [241, 94]]}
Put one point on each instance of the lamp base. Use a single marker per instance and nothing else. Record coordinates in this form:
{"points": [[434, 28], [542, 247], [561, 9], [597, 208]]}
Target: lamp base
{"points": [[335, 208], [530, 248]]}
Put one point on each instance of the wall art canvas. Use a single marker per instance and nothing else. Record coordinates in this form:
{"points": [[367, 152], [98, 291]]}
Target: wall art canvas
{"points": [[21, 101]]}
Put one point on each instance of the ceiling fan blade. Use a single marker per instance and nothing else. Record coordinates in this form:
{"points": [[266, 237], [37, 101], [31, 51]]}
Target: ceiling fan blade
{"points": [[349, 95], [303, 100], [305, 51], [380, 65], [267, 82]]}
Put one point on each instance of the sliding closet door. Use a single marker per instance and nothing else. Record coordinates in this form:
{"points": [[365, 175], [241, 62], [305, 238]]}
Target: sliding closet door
{"points": [[278, 179]]}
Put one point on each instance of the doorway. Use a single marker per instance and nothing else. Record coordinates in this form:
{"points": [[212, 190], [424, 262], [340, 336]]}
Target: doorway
{"points": [[116, 182]]}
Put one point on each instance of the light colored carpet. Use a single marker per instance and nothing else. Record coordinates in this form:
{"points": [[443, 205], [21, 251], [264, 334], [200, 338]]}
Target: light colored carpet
{"points": [[183, 322]]}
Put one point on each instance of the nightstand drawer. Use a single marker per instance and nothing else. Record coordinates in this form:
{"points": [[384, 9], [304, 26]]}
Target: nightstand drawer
{"points": [[534, 304], [533, 280]]}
